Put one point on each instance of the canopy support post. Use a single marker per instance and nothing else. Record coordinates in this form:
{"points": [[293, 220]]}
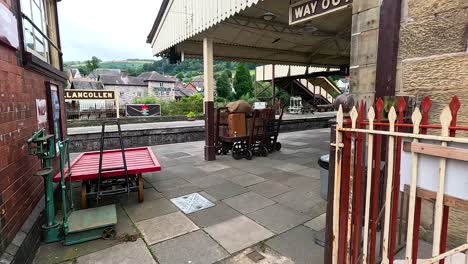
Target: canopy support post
{"points": [[208, 96], [273, 93]]}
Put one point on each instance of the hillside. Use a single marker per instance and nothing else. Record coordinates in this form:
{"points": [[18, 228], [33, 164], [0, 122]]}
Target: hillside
{"points": [[188, 68]]}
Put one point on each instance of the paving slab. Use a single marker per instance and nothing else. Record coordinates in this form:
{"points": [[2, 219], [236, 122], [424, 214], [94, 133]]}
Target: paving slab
{"points": [[181, 191], [176, 155], [56, 253], [310, 172], [300, 200], [195, 248], [238, 233], [299, 245], [302, 182], [297, 143], [317, 209], [225, 190], [227, 173], [269, 189], [207, 196], [290, 167], [186, 171], [246, 180], [130, 252], [171, 184], [165, 227], [158, 176], [149, 209], [254, 169], [214, 215], [207, 181], [299, 160], [269, 257], [149, 194], [317, 223], [278, 218], [248, 202], [212, 167], [278, 175]]}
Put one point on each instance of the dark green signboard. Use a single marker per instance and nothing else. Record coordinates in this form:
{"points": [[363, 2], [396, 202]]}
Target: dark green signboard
{"points": [[305, 10]]}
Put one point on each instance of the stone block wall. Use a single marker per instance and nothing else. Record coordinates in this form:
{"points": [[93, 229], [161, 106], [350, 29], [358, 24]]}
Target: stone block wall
{"points": [[433, 60], [364, 44], [433, 57], [127, 93]]}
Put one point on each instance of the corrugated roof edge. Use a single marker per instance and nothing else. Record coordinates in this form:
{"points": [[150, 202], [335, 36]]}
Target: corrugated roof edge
{"points": [[156, 23]]}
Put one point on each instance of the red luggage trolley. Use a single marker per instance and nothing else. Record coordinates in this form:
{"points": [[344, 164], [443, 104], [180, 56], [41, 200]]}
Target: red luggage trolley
{"points": [[85, 168]]}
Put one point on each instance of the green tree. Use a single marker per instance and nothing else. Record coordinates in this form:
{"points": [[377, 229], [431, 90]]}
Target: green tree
{"points": [[223, 86], [93, 64], [228, 73], [180, 76], [242, 81]]}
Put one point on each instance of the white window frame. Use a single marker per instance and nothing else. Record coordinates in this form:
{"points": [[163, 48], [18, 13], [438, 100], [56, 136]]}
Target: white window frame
{"points": [[35, 35]]}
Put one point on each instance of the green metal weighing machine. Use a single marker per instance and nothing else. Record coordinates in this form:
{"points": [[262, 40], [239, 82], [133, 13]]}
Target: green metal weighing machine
{"points": [[77, 225]]}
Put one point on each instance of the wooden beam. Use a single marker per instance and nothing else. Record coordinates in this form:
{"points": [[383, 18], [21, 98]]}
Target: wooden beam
{"points": [[437, 151], [387, 52], [449, 201]]}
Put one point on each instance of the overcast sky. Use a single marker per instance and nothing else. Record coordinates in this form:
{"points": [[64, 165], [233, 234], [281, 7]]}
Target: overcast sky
{"points": [[108, 29]]}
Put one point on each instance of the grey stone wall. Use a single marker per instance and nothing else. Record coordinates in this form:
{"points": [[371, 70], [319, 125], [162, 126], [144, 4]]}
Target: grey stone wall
{"points": [[128, 93], [129, 120], [150, 137], [433, 61], [364, 44]]}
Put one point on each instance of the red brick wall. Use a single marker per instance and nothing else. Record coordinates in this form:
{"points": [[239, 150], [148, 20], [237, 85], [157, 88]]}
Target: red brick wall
{"points": [[19, 189]]}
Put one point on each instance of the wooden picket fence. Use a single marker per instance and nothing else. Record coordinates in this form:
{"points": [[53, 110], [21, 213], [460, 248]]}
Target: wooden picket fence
{"points": [[361, 210]]}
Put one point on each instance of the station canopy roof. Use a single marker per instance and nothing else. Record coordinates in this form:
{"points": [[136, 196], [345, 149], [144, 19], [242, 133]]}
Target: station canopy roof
{"points": [[255, 31]]}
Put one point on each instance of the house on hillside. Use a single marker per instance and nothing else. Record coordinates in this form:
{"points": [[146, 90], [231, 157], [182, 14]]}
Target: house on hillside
{"points": [[183, 92], [75, 73], [84, 84], [128, 87], [199, 84], [191, 86], [158, 85], [100, 71]]}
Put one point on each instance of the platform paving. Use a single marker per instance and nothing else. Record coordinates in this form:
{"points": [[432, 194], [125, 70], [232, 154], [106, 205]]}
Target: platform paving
{"points": [[270, 205]]}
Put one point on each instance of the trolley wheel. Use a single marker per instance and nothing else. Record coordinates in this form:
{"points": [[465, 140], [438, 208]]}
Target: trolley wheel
{"points": [[84, 198], [108, 233], [141, 194], [237, 155], [278, 146], [237, 151], [264, 151], [219, 150], [248, 154]]}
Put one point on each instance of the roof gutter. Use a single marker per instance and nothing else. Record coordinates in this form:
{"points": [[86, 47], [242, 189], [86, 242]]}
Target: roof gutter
{"points": [[161, 12]]}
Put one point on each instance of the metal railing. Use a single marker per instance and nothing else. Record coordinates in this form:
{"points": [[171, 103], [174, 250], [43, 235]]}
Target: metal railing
{"points": [[361, 207]]}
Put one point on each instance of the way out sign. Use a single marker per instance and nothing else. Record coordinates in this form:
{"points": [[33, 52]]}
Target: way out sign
{"points": [[305, 10]]}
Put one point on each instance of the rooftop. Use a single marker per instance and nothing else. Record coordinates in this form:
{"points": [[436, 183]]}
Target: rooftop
{"points": [[121, 80], [155, 76]]}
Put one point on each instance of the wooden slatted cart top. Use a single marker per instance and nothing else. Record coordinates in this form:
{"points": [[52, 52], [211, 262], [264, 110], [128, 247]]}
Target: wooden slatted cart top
{"points": [[139, 160]]}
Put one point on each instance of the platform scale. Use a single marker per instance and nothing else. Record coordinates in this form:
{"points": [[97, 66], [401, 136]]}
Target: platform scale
{"points": [[77, 225]]}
